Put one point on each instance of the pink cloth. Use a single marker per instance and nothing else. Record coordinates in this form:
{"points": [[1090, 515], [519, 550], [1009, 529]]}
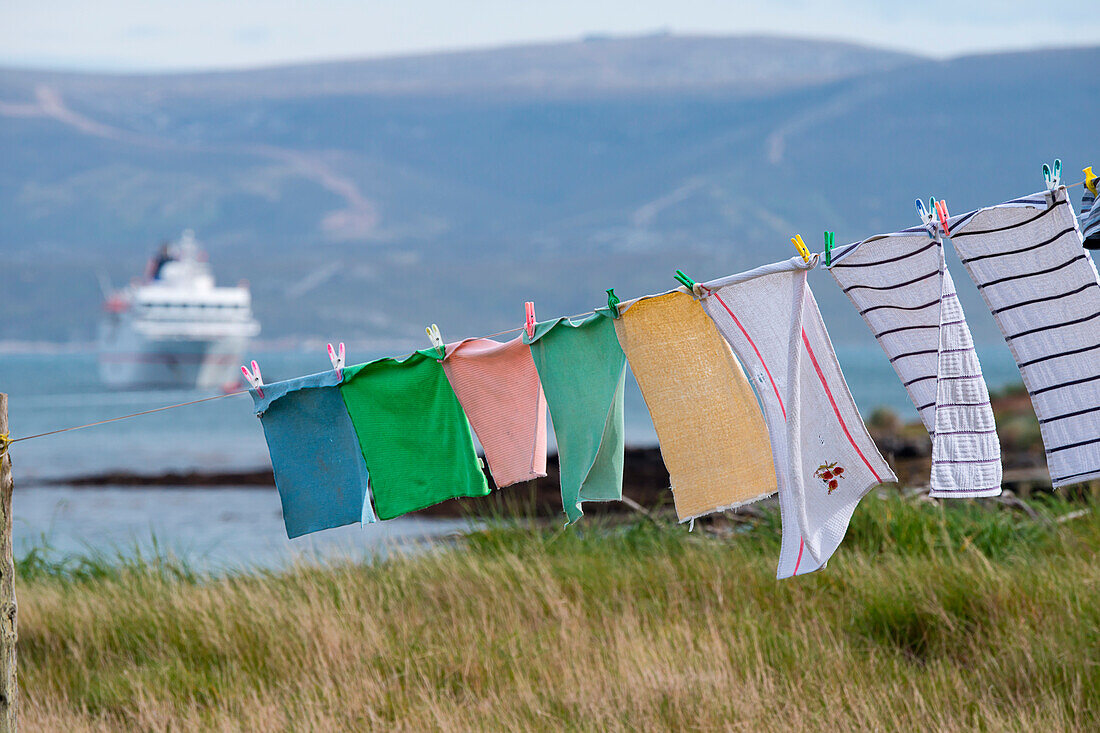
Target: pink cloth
{"points": [[498, 387]]}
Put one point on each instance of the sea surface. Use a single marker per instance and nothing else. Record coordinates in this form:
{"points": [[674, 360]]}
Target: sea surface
{"points": [[236, 527]]}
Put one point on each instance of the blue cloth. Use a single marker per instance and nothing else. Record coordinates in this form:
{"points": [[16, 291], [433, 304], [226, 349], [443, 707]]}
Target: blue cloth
{"points": [[319, 469]]}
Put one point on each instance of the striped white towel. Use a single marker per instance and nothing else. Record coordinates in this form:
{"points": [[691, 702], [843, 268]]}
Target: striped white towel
{"points": [[1025, 257], [825, 461], [1089, 220], [900, 284]]}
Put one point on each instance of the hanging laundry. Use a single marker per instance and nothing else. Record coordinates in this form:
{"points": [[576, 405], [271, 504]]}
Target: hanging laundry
{"points": [[499, 389], [824, 458], [712, 435], [319, 471], [900, 284], [1089, 219], [1025, 257], [413, 434], [583, 371]]}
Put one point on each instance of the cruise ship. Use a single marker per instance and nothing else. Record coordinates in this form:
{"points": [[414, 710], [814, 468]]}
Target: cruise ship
{"points": [[175, 328]]}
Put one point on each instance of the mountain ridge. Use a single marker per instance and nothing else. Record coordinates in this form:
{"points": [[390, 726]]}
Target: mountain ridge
{"points": [[366, 215]]}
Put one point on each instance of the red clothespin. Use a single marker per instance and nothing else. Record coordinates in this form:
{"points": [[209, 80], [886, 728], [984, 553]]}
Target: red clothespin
{"points": [[529, 306], [337, 359], [941, 211], [254, 378]]}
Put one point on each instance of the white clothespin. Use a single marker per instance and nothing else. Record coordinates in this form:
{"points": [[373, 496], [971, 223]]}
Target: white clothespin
{"points": [[254, 377], [436, 339], [1053, 179], [925, 215], [337, 360]]}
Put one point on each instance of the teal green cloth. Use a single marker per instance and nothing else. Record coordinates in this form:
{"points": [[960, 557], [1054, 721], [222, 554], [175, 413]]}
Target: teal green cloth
{"points": [[414, 436], [583, 371]]}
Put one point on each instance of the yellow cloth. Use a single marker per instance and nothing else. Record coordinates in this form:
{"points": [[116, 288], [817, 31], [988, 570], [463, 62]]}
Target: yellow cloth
{"points": [[713, 438]]}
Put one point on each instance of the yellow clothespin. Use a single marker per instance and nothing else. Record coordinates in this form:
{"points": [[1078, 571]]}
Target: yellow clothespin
{"points": [[1090, 179], [803, 250]]}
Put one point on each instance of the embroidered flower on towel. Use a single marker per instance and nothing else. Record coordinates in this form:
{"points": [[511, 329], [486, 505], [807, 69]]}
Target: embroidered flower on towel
{"points": [[830, 475]]}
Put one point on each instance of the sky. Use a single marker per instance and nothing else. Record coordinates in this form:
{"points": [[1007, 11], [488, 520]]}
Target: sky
{"points": [[159, 35]]}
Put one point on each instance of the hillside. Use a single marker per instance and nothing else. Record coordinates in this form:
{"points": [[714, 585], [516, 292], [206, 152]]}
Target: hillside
{"points": [[363, 199]]}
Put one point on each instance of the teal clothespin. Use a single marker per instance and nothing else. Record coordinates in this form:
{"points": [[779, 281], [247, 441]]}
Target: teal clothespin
{"points": [[613, 302], [1053, 179], [830, 239], [684, 280]]}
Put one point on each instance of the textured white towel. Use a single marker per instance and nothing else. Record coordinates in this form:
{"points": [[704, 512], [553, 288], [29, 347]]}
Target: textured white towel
{"points": [[825, 461], [1025, 257], [899, 283]]}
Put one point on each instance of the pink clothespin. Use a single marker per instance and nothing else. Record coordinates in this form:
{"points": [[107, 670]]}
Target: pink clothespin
{"points": [[337, 360], [254, 378], [530, 326], [941, 210]]}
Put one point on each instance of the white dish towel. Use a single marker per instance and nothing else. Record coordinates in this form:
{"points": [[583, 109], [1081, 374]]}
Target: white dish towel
{"points": [[825, 461], [1025, 256], [899, 283]]}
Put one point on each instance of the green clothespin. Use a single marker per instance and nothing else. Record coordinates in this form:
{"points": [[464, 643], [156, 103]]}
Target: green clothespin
{"points": [[684, 280], [613, 302], [830, 240]]}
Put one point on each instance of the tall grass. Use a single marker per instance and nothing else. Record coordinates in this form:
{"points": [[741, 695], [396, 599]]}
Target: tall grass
{"points": [[930, 616]]}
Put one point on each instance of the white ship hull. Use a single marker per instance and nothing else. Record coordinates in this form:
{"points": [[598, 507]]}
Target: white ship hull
{"points": [[129, 360], [175, 328]]}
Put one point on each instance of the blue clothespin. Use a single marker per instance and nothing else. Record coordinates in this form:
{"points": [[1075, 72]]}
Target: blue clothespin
{"points": [[436, 339], [923, 213], [1053, 179], [613, 302], [830, 240]]}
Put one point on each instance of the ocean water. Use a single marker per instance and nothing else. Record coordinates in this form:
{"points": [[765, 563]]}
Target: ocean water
{"points": [[223, 526]]}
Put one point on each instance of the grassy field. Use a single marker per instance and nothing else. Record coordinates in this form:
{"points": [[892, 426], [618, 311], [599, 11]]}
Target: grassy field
{"points": [[930, 616]]}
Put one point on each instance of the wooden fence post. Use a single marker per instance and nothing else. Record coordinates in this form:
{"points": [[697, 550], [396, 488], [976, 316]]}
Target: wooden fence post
{"points": [[9, 685]]}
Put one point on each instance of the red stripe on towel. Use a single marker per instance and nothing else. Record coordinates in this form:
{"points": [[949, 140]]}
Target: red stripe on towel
{"points": [[832, 402], [758, 356]]}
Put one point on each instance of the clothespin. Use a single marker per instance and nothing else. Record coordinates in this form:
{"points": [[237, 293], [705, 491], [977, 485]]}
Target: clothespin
{"points": [[529, 306], [436, 339], [613, 302], [337, 359], [803, 250], [696, 289], [923, 213], [254, 378], [1053, 179], [941, 210], [684, 280], [1090, 179], [830, 240]]}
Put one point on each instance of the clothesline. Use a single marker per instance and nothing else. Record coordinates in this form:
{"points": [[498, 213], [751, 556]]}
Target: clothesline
{"points": [[241, 392]]}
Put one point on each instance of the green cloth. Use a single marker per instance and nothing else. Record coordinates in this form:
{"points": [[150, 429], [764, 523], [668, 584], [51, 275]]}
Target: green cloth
{"points": [[583, 371], [415, 438]]}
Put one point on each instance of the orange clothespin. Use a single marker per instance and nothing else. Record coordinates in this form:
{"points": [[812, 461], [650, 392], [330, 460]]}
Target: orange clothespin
{"points": [[941, 211], [529, 306]]}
